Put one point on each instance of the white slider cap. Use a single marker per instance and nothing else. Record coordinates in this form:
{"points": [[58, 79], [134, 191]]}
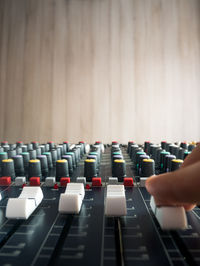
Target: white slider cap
{"points": [[115, 202], [170, 217], [71, 200], [23, 206], [70, 203], [75, 188]]}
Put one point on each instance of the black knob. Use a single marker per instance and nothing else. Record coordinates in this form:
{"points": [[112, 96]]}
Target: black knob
{"points": [[24, 148], [19, 150], [54, 156], [183, 145], [136, 161], [181, 152], [35, 144], [119, 169], [51, 145], [3, 156], [66, 143], [34, 168], [61, 169], [44, 164], [33, 154], [49, 159], [19, 144], [163, 154], [132, 148], [70, 164], [147, 146], [167, 162], [73, 158], [147, 167], [90, 169], [129, 146], [19, 165], [38, 151], [164, 144], [29, 146], [4, 143], [141, 158], [26, 159], [8, 168], [175, 164], [11, 153]]}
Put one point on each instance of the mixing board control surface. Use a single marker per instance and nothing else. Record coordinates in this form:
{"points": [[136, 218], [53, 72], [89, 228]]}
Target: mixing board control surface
{"points": [[90, 237]]}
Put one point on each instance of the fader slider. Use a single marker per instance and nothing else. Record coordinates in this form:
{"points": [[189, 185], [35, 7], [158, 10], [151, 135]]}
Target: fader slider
{"points": [[71, 200], [169, 217], [23, 206], [115, 204]]}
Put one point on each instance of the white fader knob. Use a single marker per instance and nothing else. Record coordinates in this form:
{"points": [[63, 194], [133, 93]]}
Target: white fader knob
{"points": [[115, 202], [71, 200], [23, 206], [169, 217]]}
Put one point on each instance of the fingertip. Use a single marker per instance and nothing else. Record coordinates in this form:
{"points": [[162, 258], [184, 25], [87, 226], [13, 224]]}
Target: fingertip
{"points": [[189, 207], [150, 184]]}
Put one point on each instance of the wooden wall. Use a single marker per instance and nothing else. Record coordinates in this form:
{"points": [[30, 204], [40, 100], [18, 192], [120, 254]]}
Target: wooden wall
{"points": [[99, 70]]}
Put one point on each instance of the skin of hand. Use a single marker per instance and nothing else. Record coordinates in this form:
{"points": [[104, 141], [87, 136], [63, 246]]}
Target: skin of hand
{"points": [[178, 188]]}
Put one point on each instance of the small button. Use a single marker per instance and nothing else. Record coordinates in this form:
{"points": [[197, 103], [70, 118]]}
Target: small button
{"points": [[5, 181], [81, 179], [34, 181], [96, 181], [112, 180], [64, 181], [128, 182], [20, 180], [50, 181]]}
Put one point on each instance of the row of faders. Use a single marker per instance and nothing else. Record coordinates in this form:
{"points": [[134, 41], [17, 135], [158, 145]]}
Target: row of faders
{"points": [[36, 162]]}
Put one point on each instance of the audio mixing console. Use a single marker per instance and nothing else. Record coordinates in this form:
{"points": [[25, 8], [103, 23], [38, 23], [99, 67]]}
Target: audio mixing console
{"points": [[84, 234]]}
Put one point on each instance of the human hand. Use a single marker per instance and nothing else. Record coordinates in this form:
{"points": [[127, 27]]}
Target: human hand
{"points": [[178, 188]]}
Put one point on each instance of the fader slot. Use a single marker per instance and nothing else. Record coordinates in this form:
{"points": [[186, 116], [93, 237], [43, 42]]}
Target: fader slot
{"points": [[59, 245], [119, 242]]}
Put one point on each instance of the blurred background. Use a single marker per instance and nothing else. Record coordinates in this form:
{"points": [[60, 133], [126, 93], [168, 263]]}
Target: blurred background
{"points": [[99, 70]]}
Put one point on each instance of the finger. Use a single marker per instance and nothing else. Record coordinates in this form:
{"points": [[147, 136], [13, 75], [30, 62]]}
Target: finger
{"points": [[178, 187], [193, 157]]}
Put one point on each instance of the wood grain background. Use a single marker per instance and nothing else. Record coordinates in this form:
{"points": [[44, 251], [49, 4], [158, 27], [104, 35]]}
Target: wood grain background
{"points": [[99, 70]]}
